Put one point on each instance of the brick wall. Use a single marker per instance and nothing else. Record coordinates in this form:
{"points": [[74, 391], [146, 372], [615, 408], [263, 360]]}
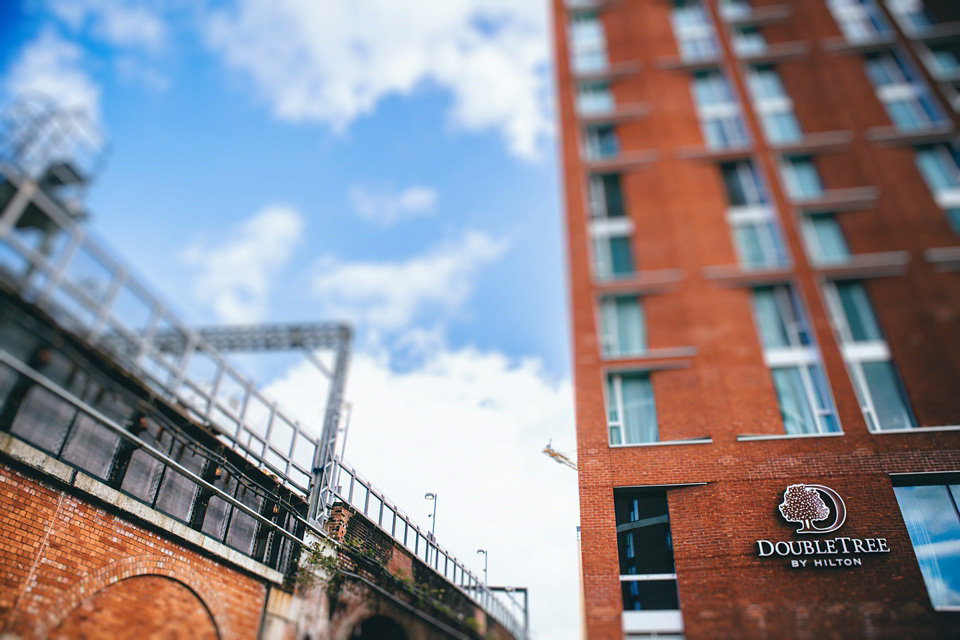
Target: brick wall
{"points": [[62, 559], [677, 206]]}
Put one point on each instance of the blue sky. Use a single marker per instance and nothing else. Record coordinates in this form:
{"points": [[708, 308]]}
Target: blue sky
{"points": [[390, 164]]}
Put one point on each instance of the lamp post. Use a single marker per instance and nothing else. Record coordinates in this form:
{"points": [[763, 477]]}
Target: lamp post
{"points": [[486, 556], [432, 497]]}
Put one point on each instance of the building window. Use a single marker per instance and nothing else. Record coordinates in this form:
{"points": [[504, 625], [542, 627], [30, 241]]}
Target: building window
{"points": [[943, 60], [606, 196], [648, 578], [719, 112], [824, 239], [912, 15], [859, 20], [801, 178], [881, 395], [903, 94], [734, 9], [631, 415], [805, 402], [600, 142], [594, 97], [748, 40], [693, 30], [773, 105], [588, 47], [933, 522], [940, 166], [624, 329], [612, 257], [753, 225]]}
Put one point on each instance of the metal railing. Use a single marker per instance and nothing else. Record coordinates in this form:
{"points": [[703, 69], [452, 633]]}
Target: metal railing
{"points": [[74, 279], [362, 495]]}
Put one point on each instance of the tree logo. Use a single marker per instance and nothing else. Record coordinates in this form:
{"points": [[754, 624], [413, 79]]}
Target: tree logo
{"points": [[804, 504]]}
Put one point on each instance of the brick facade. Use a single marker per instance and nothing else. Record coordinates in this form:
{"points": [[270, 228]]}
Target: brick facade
{"points": [[697, 303], [62, 558]]}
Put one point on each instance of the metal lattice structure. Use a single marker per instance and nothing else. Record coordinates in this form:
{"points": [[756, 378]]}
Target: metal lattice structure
{"points": [[50, 261]]}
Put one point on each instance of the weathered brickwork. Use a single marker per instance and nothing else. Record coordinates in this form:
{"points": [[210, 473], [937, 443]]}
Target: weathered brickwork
{"points": [[62, 557], [719, 386]]}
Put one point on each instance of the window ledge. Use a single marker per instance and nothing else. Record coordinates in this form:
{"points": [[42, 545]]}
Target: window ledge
{"points": [[947, 608], [834, 200], [622, 113], [867, 265], [722, 154], [577, 6], [612, 71], [664, 443], [678, 63], [893, 136], [841, 46], [644, 282], [622, 161], [751, 437], [945, 31], [733, 275], [817, 142], [762, 15], [654, 354], [948, 427], [778, 52], [943, 258]]}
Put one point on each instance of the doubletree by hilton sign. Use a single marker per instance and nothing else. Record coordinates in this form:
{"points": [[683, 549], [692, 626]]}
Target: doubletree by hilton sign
{"points": [[806, 505]]}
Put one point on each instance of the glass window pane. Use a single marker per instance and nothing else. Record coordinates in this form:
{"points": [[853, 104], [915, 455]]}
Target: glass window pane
{"points": [[772, 325], [825, 239], [650, 595], [621, 260], [794, 402], [639, 414], [858, 313], [623, 326], [930, 514], [643, 532], [889, 401]]}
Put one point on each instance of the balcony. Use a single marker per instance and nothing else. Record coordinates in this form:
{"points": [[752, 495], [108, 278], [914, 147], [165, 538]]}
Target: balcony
{"points": [[610, 72], [867, 265], [843, 46], [622, 161]]}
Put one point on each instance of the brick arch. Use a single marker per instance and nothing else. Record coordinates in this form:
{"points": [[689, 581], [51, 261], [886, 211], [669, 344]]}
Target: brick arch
{"points": [[134, 566]]}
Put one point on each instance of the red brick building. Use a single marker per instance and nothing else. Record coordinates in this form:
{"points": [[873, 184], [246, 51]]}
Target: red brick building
{"points": [[763, 219]]}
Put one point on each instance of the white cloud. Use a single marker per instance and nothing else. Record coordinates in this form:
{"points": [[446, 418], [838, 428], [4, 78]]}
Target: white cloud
{"points": [[387, 206], [392, 295], [123, 24], [53, 68], [332, 62], [235, 276], [470, 426]]}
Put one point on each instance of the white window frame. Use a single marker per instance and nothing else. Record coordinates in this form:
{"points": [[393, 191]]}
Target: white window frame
{"points": [[903, 90], [726, 111], [759, 214], [856, 19], [602, 231], [949, 197], [798, 355], [598, 198], [856, 354], [592, 147], [588, 46], [770, 106], [610, 346], [695, 40], [608, 101]]}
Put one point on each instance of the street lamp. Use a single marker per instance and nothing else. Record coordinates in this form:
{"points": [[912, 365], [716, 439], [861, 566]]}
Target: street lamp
{"points": [[433, 524], [432, 497], [486, 556]]}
